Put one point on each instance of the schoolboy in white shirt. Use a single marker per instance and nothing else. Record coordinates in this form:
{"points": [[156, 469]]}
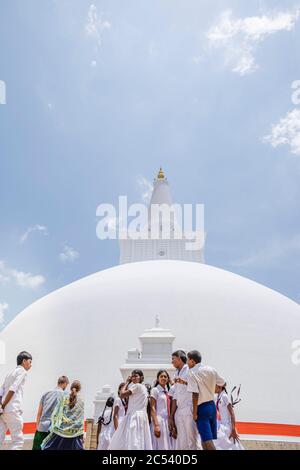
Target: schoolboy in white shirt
{"points": [[11, 402], [181, 422], [202, 383]]}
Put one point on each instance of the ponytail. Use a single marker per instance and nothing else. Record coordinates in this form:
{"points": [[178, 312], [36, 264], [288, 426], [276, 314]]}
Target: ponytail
{"points": [[75, 389]]}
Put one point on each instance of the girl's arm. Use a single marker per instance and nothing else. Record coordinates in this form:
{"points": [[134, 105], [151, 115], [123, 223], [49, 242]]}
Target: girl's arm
{"points": [[154, 417], [125, 393], [234, 435], [116, 417]]}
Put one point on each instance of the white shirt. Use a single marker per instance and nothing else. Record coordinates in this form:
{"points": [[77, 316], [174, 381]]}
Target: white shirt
{"points": [[160, 395], [122, 411], [14, 382], [223, 402], [181, 393], [139, 399], [203, 380]]}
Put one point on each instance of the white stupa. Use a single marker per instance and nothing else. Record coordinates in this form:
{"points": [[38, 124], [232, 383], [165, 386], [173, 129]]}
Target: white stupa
{"points": [[242, 328]]}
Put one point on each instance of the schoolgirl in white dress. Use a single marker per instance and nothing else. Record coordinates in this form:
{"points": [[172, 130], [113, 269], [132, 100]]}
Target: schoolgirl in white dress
{"points": [[228, 438], [119, 408], [160, 412], [133, 432], [106, 427]]}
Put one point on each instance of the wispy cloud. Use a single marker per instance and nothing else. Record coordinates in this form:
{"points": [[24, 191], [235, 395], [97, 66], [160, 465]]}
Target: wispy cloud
{"points": [[30, 230], [271, 255], [3, 308], [21, 279], [69, 254], [146, 188], [286, 132], [95, 25], [239, 37]]}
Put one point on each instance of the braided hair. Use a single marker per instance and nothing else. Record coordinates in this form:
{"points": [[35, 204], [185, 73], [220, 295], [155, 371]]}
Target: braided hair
{"points": [[75, 389], [109, 404]]}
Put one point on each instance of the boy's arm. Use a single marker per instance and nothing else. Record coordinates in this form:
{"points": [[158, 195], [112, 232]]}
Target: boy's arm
{"points": [[39, 414], [14, 387], [195, 405], [8, 397]]}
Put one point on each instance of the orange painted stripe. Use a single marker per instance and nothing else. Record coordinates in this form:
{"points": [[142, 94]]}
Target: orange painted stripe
{"points": [[258, 429], [269, 429]]}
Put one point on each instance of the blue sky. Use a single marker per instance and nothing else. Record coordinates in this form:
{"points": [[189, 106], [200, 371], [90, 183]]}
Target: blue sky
{"points": [[100, 94]]}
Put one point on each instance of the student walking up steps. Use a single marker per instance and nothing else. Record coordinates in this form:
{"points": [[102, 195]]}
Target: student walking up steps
{"points": [[133, 432]]}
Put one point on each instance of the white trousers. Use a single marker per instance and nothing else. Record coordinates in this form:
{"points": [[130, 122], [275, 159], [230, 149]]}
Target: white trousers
{"points": [[187, 432], [12, 422]]}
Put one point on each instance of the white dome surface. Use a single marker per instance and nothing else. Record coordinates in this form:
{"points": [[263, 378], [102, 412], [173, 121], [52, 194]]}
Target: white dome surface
{"points": [[84, 330]]}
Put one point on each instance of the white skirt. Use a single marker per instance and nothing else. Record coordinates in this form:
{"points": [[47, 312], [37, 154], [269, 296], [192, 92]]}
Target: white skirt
{"points": [[223, 442], [133, 433], [164, 442], [105, 436]]}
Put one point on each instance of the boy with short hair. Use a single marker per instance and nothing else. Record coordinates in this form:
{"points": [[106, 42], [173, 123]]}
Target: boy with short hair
{"points": [[11, 402], [202, 383], [181, 421]]}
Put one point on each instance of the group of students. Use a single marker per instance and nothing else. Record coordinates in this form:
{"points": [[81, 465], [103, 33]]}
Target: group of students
{"points": [[178, 414], [175, 414]]}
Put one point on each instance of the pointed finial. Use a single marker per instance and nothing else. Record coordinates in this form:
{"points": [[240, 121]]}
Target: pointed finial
{"points": [[161, 175], [157, 321]]}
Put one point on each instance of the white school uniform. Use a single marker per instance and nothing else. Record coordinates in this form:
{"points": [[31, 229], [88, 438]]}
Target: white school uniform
{"points": [[224, 426], [187, 432], [12, 419], [164, 442], [133, 433], [107, 430], [122, 411]]}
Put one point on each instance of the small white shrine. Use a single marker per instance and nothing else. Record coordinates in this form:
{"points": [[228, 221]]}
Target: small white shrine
{"points": [[155, 353]]}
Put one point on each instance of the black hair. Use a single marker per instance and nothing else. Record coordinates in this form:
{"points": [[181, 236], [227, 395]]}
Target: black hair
{"points": [[195, 356], [138, 372], [24, 355], [109, 404], [149, 388], [162, 371], [181, 355]]}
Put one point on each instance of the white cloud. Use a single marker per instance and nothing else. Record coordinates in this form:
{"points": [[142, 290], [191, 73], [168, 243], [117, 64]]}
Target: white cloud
{"points": [[3, 308], [26, 280], [96, 25], [286, 132], [146, 188], [30, 230], [69, 254], [272, 254], [239, 37]]}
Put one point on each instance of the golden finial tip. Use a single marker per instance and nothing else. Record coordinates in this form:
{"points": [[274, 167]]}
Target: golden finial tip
{"points": [[161, 175]]}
